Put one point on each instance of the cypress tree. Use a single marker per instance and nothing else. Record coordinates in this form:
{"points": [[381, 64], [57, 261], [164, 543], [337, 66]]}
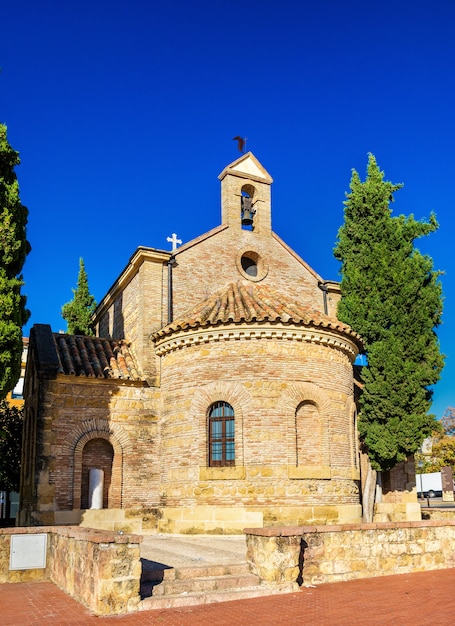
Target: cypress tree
{"points": [[78, 313], [11, 419], [14, 248], [392, 296]]}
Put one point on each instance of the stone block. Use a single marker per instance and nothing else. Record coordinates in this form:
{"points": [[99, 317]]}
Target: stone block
{"points": [[222, 473], [309, 471], [67, 518], [349, 514]]}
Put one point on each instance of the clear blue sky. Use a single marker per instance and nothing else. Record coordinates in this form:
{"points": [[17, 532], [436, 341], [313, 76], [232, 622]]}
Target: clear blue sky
{"points": [[124, 112]]}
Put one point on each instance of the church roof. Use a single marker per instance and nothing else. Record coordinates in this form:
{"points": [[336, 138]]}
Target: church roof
{"points": [[252, 303], [94, 357]]}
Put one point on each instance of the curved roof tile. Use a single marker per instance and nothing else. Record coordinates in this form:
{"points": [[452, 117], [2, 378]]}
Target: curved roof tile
{"points": [[248, 303], [94, 357]]}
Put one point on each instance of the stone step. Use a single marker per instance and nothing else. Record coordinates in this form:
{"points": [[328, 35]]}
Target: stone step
{"points": [[193, 599], [204, 584], [152, 573]]}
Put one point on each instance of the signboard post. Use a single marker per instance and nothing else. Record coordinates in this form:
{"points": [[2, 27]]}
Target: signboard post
{"points": [[447, 484]]}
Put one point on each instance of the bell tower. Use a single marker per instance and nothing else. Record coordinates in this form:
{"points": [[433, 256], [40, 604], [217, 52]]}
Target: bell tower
{"points": [[245, 195]]}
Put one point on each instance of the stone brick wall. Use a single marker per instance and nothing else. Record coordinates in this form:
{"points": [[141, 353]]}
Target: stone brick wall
{"points": [[76, 412], [435, 513], [399, 480], [268, 474], [100, 570], [136, 306], [245, 175], [315, 555], [399, 497], [214, 262], [17, 576]]}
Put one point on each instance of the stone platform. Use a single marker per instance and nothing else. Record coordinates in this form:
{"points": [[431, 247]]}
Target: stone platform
{"points": [[192, 550]]}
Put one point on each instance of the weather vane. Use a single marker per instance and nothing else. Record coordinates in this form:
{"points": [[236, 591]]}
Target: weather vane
{"points": [[241, 143]]}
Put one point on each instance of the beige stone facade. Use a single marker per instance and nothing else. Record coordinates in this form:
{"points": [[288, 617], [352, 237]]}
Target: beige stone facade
{"points": [[233, 319]]}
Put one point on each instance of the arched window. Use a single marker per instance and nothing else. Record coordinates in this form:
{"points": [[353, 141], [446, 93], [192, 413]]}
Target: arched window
{"points": [[221, 435]]}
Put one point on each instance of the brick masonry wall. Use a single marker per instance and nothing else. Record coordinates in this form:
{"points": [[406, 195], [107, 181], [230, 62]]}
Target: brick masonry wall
{"points": [[325, 554], [232, 186], [399, 480], [265, 401], [137, 310], [213, 263], [77, 411]]}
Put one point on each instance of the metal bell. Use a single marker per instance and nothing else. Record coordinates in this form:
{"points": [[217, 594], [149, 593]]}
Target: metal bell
{"points": [[247, 218], [247, 212]]}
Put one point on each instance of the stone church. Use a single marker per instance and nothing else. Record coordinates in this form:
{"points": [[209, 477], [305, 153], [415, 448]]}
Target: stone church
{"points": [[217, 394]]}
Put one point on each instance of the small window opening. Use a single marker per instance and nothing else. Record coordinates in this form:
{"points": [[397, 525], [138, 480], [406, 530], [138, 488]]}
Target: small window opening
{"points": [[249, 266]]}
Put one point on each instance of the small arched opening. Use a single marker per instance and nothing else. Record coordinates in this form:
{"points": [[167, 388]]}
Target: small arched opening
{"points": [[308, 434], [98, 454], [247, 207]]}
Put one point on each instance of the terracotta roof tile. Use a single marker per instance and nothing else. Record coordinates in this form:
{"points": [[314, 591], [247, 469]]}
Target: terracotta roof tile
{"points": [[95, 357], [248, 303]]}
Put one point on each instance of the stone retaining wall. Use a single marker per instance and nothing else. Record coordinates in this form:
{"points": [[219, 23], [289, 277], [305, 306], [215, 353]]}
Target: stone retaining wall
{"points": [[435, 513], [99, 569], [289, 556]]}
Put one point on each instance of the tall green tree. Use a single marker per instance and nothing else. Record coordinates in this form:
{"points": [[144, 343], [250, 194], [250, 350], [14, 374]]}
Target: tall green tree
{"points": [[392, 296], [11, 419], [78, 313], [14, 248]]}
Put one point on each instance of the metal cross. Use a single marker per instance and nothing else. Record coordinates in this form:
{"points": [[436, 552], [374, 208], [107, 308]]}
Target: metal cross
{"points": [[174, 241]]}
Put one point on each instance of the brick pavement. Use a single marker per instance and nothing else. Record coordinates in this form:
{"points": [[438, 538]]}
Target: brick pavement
{"points": [[421, 599]]}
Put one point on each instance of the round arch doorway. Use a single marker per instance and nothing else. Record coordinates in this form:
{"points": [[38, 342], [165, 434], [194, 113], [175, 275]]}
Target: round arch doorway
{"points": [[97, 454]]}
